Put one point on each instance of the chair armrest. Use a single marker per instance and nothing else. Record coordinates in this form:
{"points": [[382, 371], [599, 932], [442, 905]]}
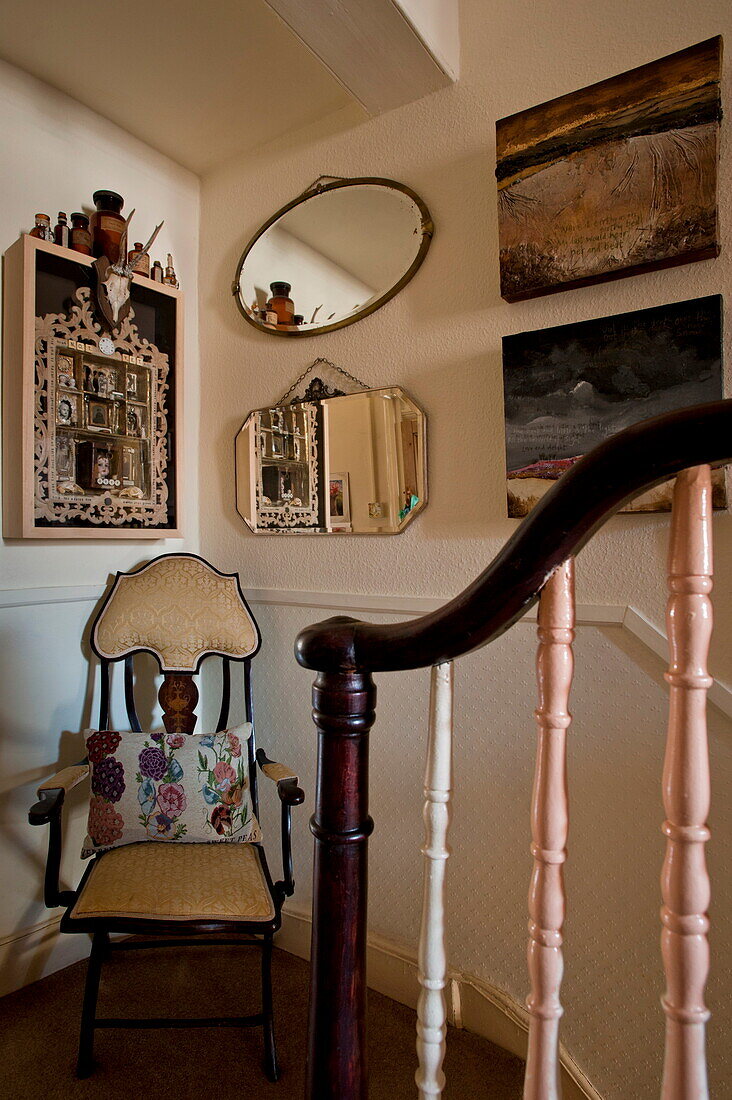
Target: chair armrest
{"points": [[52, 792], [290, 795], [47, 811], [284, 777]]}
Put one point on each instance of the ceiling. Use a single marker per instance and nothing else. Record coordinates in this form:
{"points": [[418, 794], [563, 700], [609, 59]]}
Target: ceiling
{"points": [[199, 82]]}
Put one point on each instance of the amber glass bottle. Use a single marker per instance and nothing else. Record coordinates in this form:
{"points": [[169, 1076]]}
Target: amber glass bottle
{"points": [[139, 261], [80, 236], [107, 224], [42, 228], [281, 303]]}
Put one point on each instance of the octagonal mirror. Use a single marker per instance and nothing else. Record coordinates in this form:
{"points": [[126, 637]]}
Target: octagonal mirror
{"points": [[332, 256], [354, 464]]}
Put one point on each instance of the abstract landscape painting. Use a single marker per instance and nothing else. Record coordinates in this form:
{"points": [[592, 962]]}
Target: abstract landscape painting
{"points": [[612, 180], [566, 389]]}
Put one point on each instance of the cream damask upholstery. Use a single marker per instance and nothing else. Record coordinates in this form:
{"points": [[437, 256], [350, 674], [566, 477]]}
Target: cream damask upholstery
{"points": [[164, 882], [180, 608], [66, 779], [276, 772]]}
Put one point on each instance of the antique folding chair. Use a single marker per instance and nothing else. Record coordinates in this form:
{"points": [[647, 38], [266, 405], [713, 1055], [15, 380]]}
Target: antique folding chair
{"points": [[181, 610]]}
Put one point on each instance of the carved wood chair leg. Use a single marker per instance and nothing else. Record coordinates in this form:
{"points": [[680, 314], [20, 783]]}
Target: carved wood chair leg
{"points": [[99, 949], [271, 1068]]}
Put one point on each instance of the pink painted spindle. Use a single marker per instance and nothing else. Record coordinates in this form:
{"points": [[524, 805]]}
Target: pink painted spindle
{"points": [[549, 819], [686, 790]]}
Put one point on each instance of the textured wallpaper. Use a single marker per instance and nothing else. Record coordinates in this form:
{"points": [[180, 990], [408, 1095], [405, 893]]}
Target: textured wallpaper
{"points": [[440, 338], [613, 1023]]}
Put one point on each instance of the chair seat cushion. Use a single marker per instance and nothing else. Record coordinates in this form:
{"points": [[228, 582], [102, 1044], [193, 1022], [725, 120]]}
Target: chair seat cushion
{"points": [[171, 882], [172, 788]]}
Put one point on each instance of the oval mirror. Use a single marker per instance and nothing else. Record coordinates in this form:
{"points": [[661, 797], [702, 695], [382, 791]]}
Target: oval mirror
{"points": [[333, 255], [354, 464]]}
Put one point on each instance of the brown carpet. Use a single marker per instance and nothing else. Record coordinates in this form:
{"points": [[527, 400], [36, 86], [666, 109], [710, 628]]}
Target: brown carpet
{"points": [[39, 1033]]}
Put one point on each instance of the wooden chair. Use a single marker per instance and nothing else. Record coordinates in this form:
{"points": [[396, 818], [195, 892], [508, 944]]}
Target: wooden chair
{"points": [[181, 610]]}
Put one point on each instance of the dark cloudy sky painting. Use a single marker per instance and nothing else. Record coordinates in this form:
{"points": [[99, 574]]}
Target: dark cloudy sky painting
{"points": [[568, 388]]}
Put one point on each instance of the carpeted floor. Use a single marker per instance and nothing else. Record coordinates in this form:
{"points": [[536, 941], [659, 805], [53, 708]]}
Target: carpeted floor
{"points": [[39, 1033]]}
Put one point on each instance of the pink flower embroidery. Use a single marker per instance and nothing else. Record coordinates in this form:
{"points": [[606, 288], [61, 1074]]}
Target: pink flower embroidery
{"points": [[224, 775], [171, 799], [105, 824], [176, 740], [234, 744]]}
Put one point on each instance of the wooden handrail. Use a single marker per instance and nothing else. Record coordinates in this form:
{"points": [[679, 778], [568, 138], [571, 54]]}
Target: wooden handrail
{"points": [[558, 527], [345, 652]]}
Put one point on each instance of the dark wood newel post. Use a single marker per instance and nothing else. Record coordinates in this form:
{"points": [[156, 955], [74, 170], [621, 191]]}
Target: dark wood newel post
{"points": [[343, 710]]}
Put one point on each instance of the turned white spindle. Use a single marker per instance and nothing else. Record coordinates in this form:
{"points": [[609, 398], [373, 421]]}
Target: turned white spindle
{"points": [[549, 821], [686, 789], [431, 1014]]}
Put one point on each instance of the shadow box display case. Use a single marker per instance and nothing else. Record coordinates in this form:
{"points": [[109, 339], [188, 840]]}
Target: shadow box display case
{"points": [[91, 418]]}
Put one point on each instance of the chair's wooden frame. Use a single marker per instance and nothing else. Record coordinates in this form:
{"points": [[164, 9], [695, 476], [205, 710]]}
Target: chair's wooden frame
{"points": [[47, 811]]}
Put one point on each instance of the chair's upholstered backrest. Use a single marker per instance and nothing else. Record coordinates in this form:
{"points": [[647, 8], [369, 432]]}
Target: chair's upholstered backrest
{"points": [[179, 608]]}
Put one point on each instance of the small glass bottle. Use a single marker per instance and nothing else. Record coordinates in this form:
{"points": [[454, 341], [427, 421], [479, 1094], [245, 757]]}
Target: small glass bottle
{"points": [[298, 319], [42, 228], [281, 303], [138, 260], [169, 277], [157, 272], [61, 232], [107, 224], [81, 240]]}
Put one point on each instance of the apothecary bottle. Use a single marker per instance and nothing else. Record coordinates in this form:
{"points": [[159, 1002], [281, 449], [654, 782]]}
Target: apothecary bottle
{"points": [[138, 260], [42, 228], [81, 240], [157, 272], [281, 303], [169, 278], [61, 232], [107, 224]]}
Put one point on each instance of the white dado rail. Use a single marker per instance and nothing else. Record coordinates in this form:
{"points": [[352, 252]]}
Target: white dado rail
{"points": [[586, 614]]}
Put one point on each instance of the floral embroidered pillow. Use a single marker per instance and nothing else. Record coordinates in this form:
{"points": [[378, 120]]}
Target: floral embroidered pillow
{"points": [[189, 788]]}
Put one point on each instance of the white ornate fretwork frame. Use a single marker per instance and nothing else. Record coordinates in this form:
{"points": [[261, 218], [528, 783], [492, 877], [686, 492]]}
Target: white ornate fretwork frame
{"points": [[122, 505], [274, 517]]}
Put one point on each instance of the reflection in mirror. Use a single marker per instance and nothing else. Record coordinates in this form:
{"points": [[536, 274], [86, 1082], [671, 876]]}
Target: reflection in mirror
{"points": [[333, 256], [352, 464]]}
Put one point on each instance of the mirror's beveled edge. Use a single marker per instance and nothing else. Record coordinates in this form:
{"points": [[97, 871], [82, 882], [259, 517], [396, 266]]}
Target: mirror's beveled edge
{"points": [[428, 232], [351, 534]]}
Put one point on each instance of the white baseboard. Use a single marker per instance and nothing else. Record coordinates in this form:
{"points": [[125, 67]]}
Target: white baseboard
{"points": [[471, 1003], [34, 952]]}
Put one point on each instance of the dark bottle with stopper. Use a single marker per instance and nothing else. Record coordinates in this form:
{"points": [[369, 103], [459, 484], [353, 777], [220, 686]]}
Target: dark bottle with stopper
{"points": [[281, 303], [61, 232], [81, 240], [107, 224], [157, 272]]}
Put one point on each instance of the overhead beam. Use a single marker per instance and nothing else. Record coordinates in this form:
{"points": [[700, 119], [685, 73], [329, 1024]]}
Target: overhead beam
{"points": [[385, 53]]}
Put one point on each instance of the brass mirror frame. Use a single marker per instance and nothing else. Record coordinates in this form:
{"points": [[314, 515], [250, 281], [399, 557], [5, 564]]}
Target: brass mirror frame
{"points": [[428, 232]]}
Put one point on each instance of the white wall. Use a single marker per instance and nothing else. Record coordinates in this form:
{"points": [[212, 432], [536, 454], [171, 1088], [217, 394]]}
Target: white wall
{"points": [[53, 154], [441, 339], [315, 280]]}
